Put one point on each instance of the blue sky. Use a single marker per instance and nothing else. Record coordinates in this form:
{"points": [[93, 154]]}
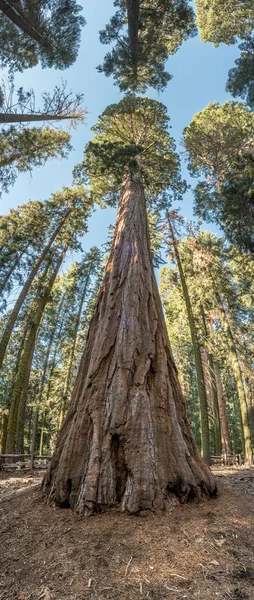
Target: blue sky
{"points": [[199, 76]]}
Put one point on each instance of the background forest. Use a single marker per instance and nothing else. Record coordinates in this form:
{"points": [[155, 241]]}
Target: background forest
{"points": [[193, 140]]}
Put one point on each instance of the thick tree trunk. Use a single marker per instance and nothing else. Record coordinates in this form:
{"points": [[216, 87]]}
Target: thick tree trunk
{"points": [[205, 442], [126, 439], [19, 18], [22, 296], [225, 435]]}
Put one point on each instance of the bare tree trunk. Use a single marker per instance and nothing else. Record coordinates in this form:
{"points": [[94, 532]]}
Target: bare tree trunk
{"points": [[126, 439], [22, 296], [225, 436], [31, 118], [19, 18]]}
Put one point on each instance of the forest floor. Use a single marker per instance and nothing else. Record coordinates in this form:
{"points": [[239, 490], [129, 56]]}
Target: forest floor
{"points": [[198, 551]]}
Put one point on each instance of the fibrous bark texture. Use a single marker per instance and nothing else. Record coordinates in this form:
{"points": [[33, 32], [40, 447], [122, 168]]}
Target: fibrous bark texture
{"points": [[126, 439]]}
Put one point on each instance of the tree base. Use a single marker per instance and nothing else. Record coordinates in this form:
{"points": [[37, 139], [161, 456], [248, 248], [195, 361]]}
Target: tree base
{"points": [[126, 440]]}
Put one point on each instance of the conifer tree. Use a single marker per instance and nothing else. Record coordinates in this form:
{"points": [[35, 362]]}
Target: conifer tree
{"points": [[45, 31], [20, 151], [68, 209], [219, 141], [240, 81], [203, 401], [126, 439], [224, 20], [145, 33], [15, 430]]}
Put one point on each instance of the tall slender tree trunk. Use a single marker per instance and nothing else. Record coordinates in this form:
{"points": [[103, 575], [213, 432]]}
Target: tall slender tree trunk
{"points": [[245, 426], [196, 351], [4, 426], [19, 18], [41, 444], [211, 393], [133, 26], [72, 351], [19, 397], [225, 435], [211, 383], [126, 439], [217, 425], [44, 371], [22, 296], [11, 270], [51, 371]]}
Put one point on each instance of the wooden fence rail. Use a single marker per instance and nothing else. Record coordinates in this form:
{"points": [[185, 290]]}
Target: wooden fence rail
{"points": [[21, 460], [228, 459]]}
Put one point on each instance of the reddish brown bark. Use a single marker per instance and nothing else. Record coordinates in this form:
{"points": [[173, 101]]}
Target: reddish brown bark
{"points": [[126, 439]]}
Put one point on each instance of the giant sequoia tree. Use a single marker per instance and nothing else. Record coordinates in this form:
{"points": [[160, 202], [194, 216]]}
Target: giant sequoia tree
{"points": [[126, 439], [145, 33]]}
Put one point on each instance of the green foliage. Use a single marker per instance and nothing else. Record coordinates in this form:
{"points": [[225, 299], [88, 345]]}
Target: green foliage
{"points": [[58, 21], [61, 341], [21, 150], [224, 20], [231, 204], [219, 142], [132, 134], [181, 344], [241, 78], [26, 231], [219, 283], [144, 41]]}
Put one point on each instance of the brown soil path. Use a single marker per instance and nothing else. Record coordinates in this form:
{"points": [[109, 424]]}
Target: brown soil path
{"points": [[199, 551]]}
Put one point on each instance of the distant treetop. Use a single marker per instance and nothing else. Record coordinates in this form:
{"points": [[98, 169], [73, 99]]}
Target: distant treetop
{"points": [[145, 33], [39, 31], [224, 20]]}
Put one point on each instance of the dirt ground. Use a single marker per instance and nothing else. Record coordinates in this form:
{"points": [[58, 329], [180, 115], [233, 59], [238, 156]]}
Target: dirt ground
{"points": [[203, 551]]}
